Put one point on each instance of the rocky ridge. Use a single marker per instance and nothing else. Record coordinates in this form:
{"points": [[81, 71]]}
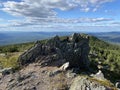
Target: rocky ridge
{"points": [[55, 65], [56, 52]]}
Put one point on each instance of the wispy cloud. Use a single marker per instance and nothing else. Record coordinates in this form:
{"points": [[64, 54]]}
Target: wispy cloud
{"points": [[45, 8], [54, 21], [43, 14], [115, 23]]}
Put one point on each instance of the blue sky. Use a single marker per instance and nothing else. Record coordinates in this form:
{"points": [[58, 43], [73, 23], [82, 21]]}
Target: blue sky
{"points": [[60, 15]]}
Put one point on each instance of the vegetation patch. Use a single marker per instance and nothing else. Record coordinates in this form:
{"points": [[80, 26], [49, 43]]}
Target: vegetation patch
{"points": [[9, 60], [108, 55]]}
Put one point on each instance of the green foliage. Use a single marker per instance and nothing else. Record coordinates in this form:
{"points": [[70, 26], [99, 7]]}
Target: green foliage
{"points": [[108, 54], [10, 49]]}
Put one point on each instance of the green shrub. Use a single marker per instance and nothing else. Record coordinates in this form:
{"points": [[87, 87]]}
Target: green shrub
{"points": [[11, 61]]}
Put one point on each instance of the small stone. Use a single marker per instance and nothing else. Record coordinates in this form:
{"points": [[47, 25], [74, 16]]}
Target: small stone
{"points": [[64, 66], [117, 84], [44, 71], [33, 88], [99, 75], [11, 80]]}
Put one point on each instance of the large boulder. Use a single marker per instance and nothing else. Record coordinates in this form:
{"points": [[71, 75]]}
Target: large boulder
{"points": [[56, 51], [84, 83]]}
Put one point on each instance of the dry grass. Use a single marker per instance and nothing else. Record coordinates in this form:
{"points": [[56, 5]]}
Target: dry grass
{"points": [[9, 60]]}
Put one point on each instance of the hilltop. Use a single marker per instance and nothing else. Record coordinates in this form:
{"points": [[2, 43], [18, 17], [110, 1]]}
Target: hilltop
{"points": [[42, 65]]}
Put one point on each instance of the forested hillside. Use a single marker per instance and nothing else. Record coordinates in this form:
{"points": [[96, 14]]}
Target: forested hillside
{"points": [[108, 54]]}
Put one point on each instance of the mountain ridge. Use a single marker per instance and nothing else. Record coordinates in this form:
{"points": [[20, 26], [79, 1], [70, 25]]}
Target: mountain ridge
{"points": [[101, 51], [22, 37]]}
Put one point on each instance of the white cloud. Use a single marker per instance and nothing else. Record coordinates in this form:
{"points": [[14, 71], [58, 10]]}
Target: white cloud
{"points": [[42, 13], [92, 5], [36, 8], [27, 10], [45, 8]]}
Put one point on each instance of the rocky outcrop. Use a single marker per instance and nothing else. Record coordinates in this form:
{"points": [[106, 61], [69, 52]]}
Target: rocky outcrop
{"points": [[84, 83], [30, 55], [73, 49]]}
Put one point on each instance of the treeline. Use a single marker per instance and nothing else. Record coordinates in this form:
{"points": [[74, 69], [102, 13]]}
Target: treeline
{"points": [[16, 47]]}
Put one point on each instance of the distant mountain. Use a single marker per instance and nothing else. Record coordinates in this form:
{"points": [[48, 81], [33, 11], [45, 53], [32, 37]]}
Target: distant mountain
{"points": [[7, 38], [113, 37], [20, 37], [3, 36]]}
